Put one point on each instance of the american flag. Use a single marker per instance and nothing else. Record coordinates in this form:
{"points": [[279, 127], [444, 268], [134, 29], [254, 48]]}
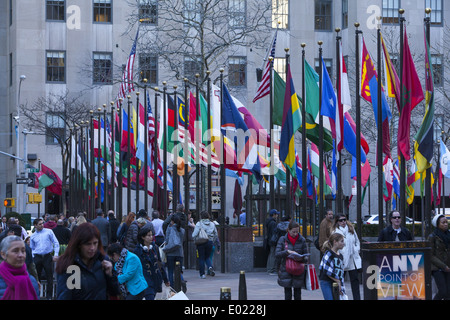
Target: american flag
{"points": [[151, 143], [264, 87], [127, 85]]}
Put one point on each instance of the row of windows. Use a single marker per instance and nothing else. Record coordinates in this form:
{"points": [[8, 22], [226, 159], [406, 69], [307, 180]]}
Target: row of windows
{"points": [[102, 70]]}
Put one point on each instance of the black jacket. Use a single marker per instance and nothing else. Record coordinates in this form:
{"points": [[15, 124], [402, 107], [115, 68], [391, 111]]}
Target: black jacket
{"points": [[389, 234]]}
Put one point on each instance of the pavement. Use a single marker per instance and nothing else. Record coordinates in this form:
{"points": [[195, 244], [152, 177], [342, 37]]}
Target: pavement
{"points": [[260, 286]]}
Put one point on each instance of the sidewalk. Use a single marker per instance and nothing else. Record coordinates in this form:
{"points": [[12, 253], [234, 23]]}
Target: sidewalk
{"points": [[260, 286]]}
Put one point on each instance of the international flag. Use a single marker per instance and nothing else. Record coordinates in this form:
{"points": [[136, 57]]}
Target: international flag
{"points": [[291, 123], [344, 102], [140, 146], [56, 186], [395, 185], [329, 106], [412, 95], [127, 84], [444, 160], [388, 170], [423, 145], [369, 92], [264, 86], [392, 82]]}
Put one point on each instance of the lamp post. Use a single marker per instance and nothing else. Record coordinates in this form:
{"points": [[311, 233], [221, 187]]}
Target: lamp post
{"points": [[22, 78]]}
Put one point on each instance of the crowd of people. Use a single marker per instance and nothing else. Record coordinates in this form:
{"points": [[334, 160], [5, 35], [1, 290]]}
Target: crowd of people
{"points": [[101, 258], [133, 259]]}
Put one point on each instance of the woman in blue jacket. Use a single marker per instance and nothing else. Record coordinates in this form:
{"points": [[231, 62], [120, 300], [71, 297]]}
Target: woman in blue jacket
{"points": [[128, 266]]}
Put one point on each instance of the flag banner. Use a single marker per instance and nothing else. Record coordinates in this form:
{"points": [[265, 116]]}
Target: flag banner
{"points": [[344, 102], [264, 86], [329, 101], [56, 186], [392, 82], [412, 95], [444, 161]]}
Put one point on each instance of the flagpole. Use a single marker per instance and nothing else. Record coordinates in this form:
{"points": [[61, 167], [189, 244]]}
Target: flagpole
{"points": [[358, 134], [304, 164], [120, 175], [380, 132], [92, 180], [71, 189], [402, 158], [136, 134], [222, 178], [175, 186], [99, 167], [443, 179], [113, 160], [272, 140], [428, 171], [165, 148], [198, 195], [155, 157], [321, 177], [186, 148], [146, 169], [209, 194], [105, 163], [129, 157], [288, 174], [339, 102]]}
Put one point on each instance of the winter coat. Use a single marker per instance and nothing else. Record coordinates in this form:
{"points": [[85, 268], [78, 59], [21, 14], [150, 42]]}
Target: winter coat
{"points": [[271, 228], [439, 253], [131, 240], [95, 283], [153, 270], [3, 286], [285, 279], [132, 275], [350, 253], [389, 234], [208, 226]]}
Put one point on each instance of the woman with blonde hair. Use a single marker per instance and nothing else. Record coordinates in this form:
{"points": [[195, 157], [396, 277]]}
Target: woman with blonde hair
{"points": [[350, 252], [331, 266]]}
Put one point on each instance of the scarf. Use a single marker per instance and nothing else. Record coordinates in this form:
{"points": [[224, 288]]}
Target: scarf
{"points": [[18, 282], [292, 240], [445, 236], [119, 268]]}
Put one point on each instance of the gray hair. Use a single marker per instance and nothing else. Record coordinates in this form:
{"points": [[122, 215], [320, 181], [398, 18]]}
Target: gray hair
{"points": [[6, 243], [141, 221]]}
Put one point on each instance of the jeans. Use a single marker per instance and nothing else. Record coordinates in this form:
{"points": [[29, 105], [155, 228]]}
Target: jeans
{"points": [[327, 289], [204, 256], [442, 280], [171, 260]]}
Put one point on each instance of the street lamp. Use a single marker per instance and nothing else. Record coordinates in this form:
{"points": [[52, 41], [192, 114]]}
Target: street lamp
{"points": [[22, 78]]}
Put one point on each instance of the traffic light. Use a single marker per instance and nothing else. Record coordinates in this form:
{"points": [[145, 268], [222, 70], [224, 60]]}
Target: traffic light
{"points": [[9, 202]]}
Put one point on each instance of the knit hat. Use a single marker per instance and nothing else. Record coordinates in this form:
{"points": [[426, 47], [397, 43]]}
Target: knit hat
{"points": [[436, 218]]}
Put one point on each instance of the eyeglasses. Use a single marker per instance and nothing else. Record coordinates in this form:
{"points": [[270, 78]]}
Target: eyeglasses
{"points": [[396, 217], [342, 220]]}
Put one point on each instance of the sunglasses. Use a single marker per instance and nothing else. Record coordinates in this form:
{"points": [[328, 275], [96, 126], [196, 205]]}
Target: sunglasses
{"points": [[342, 220], [396, 217]]}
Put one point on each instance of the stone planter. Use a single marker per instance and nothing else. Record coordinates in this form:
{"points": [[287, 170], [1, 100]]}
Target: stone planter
{"points": [[236, 234]]}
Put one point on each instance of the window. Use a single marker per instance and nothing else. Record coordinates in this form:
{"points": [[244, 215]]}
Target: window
{"points": [[279, 65], [390, 11], [148, 66], [55, 128], [102, 68], [192, 12], [102, 11], [328, 64], [436, 13], [56, 66], [192, 66], [323, 11], [438, 69], [56, 10], [237, 11], [148, 11], [344, 14], [280, 14], [237, 71]]}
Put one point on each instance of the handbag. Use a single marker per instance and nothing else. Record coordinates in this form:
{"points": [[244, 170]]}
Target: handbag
{"points": [[294, 267], [202, 236], [311, 281]]}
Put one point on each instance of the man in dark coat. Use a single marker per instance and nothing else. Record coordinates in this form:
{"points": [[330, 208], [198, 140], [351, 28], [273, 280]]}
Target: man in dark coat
{"points": [[271, 244], [62, 233], [395, 232], [114, 224], [103, 226]]}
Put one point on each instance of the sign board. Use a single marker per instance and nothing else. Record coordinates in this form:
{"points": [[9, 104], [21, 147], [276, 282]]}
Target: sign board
{"points": [[24, 180]]}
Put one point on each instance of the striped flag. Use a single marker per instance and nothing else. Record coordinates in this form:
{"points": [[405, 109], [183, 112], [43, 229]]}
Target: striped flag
{"points": [[264, 86]]}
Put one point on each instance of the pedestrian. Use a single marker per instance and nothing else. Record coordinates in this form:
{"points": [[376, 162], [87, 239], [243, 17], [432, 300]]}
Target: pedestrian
{"points": [[15, 282], [243, 218], [158, 226], [395, 232], [204, 249], [85, 251], [282, 228], [43, 244], [181, 216], [80, 220], [131, 279], [142, 219], [350, 252], [291, 242], [123, 228], [331, 268], [63, 235], [72, 222], [114, 224], [271, 241], [52, 222], [440, 258], [153, 269], [324, 229], [174, 246], [103, 226]]}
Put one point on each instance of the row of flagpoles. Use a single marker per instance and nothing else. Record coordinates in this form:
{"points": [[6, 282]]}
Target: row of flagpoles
{"points": [[126, 148]]}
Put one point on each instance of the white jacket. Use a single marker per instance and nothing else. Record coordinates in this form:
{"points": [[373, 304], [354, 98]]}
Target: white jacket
{"points": [[352, 259], [208, 226]]}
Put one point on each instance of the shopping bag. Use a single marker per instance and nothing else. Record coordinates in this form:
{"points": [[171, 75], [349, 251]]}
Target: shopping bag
{"points": [[167, 293], [179, 296], [162, 253], [311, 279]]}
